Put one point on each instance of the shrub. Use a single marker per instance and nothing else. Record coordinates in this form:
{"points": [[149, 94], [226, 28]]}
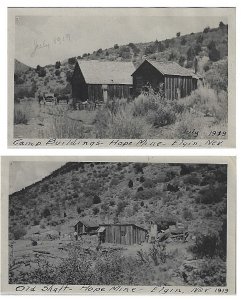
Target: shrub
{"points": [[96, 210], [21, 116], [206, 245], [57, 72], [192, 179], [214, 54], [186, 169], [96, 199], [148, 183], [172, 188], [187, 214], [72, 60], [18, 233], [206, 29], [212, 194], [46, 213], [217, 75], [130, 184]]}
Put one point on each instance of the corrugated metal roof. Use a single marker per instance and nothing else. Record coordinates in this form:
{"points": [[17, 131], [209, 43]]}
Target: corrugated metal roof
{"points": [[106, 72], [171, 68]]}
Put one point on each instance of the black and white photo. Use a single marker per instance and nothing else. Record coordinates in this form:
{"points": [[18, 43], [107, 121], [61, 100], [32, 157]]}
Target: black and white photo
{"points": [[129, 73], [120, 223]]}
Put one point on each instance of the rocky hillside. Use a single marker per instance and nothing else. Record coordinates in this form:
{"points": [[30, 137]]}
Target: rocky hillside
{"points": [[210, 47], [123, 192]]}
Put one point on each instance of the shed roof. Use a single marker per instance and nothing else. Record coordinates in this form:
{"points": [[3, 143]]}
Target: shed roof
{"points": [[170, 68], [125, 224], [106, 72], [87, 222]]}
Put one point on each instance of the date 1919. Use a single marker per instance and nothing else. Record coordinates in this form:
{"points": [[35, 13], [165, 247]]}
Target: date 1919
{"points": [[217, 133]]}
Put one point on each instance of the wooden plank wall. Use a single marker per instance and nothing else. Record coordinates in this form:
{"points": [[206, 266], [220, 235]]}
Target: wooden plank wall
{"points": [[132, 235], [173, 83]]}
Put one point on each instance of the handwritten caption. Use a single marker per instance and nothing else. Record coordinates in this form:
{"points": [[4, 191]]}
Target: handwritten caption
{"points": [[44, 44], [116, 143], [89, 289]]}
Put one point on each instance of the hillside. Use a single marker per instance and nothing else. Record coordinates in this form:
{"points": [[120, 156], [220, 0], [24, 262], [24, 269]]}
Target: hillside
{"points": [[123, 192], [210, 47], [20, 67]]}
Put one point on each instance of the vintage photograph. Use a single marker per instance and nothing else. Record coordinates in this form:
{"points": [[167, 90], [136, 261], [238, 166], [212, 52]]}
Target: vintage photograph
{"points": [[121, 73], [119, 223]]}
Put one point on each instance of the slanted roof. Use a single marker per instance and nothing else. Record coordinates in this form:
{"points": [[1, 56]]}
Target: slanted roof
{"points": [[87, 222], [170, 68], [124, 224], [106, 72]]}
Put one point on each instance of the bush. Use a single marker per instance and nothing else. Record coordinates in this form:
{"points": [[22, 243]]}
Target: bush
{"points": [[21, 116], [18, 233], [214, 54], [212, 194], [57, 72], [72, 60], [217, 75], [206, 245], [96, 199], [187, 214], [192, 179], [120, 124], [130, 184], [46, 213], [96, 210]]}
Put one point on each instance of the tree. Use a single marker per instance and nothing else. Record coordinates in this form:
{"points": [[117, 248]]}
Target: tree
{"points": [[211, 45], [96, 199], [95, 210], [57, 72], [190, 53], [199, 39], [71, 60], [116, 46], [130, 183], [57, 65], [214, 54], [42, 72], [182, 60], [183, 41], [46, 213], [178, 34], [195, 64], [221, 25], [38, 68], [206, 29], [197, 49]]}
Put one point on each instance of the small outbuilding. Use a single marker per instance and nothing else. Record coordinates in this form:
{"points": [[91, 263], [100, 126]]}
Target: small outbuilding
{"points": [[175, 81], [99, 81], [126, 234], [86, 226]]}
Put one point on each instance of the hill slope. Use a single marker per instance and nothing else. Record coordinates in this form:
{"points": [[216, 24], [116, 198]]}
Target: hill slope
{"points": [[123, 192], [210, 47]]}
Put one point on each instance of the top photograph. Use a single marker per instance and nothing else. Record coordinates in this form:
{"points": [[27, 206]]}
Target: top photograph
{"points": [[121, 77]]}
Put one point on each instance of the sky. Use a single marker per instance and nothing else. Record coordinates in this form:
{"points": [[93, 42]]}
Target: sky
{"points": [[24, 173], [46, 39]]}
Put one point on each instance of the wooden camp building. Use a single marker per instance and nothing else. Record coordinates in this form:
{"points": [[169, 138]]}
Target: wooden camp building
{"points": [[86, 226], [176, 81], [126, 234], [99, 81]]}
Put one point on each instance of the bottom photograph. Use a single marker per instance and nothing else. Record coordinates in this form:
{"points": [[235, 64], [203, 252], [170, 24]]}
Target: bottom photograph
{"points": [[154, 223]]}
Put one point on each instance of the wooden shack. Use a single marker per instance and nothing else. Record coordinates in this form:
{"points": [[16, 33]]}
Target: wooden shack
{"points": [[126, 234], [99, 81], [86, 226], [175, 81]]}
